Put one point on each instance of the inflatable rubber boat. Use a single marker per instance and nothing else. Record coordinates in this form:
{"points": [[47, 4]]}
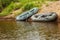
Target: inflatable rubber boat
{"points": [[27, 14], [44, 17]]}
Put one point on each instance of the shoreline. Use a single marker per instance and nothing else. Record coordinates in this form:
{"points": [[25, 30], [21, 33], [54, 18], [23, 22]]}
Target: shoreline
{"points": [[7, 19], [13, 19]]}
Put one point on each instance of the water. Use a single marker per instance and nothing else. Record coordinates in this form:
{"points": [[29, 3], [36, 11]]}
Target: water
{"points": [[17, 30]]}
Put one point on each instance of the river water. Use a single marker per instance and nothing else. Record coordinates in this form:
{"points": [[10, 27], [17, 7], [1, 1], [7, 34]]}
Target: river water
{"points": [[17, 30]]}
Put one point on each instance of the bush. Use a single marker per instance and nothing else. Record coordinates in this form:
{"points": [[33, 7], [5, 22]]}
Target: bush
{"points": [[10, 8], [30, 5]]}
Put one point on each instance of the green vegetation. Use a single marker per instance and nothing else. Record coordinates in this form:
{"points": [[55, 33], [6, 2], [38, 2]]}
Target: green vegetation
{"points": [[7, 6], [53, 0], [10, 8]]}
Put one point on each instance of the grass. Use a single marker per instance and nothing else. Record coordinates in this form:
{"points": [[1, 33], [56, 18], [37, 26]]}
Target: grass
{"points": [[10, 8], [26, 4]]}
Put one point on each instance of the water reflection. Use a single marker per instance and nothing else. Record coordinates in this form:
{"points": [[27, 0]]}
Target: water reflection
{"points": [[11, 30], [44, 29]]}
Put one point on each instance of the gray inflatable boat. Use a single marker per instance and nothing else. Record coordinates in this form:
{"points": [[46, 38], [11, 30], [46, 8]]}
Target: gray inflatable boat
{"points": [[27, 14], [51, 16]]}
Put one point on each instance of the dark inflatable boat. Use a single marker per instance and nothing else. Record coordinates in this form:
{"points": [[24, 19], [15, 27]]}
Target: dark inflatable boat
{"points": [[27, 14]]}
